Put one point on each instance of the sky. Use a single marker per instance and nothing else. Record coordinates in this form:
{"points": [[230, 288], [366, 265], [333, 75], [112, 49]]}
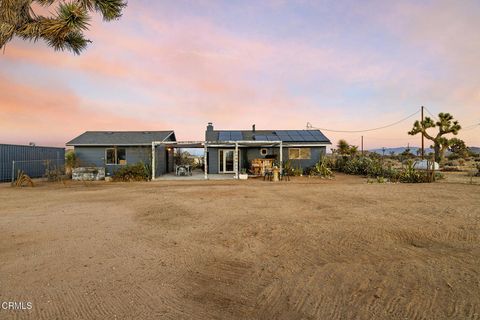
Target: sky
{"points": [[341, 65]]}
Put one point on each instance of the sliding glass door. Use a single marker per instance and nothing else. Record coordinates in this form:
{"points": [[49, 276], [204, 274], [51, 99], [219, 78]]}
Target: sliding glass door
{"points": [[226, 161]]}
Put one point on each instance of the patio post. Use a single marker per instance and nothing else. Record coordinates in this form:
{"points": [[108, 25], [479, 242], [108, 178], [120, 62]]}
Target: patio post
{"points": [[281, 156], [235, 160], [153, 160], [205, 164]]}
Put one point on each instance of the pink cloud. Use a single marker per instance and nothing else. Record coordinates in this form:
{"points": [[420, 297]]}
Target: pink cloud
{"points": [[54, 116], [194, 71]]}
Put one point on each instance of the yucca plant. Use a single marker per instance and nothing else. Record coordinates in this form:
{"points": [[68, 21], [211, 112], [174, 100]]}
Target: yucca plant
{"points": [[63, 31]]}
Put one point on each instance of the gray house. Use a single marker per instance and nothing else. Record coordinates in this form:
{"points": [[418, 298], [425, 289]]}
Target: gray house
{"points": [[114, 149], [252, 149]]}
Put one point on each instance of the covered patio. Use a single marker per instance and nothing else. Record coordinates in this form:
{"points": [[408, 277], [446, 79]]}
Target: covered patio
{"points": [[198, 175]]}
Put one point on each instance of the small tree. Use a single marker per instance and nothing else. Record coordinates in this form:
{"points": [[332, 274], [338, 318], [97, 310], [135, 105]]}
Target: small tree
{"points": [[353, 150], [64, 31], [445, 124], [458, 147], [343, 147]]}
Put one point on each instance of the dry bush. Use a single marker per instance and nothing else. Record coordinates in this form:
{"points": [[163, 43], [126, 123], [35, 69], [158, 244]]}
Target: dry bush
{"points": [[23, 180]]}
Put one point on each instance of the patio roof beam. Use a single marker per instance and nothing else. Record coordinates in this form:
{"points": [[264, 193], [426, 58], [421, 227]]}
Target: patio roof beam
{"points": [[205, 164]]}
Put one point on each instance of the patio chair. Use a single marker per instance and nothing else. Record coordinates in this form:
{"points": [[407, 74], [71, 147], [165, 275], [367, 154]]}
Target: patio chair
{"points": [[284, 175], [268, 174]]}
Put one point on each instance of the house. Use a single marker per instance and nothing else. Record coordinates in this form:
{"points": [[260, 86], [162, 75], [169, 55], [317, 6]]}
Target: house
{"points": [[114, 149], [253, 150]]}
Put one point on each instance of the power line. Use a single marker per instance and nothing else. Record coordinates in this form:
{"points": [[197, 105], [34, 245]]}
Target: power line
{"points": [[309, 125], [471, 127], [430, 113]]}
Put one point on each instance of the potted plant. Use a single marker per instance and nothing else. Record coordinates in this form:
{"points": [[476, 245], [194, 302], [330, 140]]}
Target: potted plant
{"points": [[243, 174]]}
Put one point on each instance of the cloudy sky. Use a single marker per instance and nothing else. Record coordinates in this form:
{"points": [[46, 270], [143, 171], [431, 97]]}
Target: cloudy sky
{"points": [[344, 65]]}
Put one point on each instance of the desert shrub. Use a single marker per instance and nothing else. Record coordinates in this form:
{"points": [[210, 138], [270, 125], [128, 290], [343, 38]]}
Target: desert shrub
{"points": [[453, 156], [382, 171], [22, 180], [288, 168], [409, 174], [320, 169], [53, 172], [135, 172], [455, 163], [361, 166], [291, 169], [297, 171]]}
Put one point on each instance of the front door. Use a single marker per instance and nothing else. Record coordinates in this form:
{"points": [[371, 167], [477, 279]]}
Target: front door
{"points": [[226, 161]]}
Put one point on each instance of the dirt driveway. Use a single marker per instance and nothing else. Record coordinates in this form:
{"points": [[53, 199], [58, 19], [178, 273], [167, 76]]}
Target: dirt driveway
{"points": [[305, 249]]}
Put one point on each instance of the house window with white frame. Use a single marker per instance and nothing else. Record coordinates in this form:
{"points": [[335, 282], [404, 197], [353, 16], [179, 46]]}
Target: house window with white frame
{"points": [[116, 156], [299, 153]]}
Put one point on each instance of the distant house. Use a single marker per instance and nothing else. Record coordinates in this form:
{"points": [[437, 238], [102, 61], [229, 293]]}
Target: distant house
{"points": [[114, 149], [259, 148]]}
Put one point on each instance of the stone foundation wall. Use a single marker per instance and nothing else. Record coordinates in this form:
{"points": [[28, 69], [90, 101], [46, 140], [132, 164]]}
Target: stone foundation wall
{"points": [[88, 174]]}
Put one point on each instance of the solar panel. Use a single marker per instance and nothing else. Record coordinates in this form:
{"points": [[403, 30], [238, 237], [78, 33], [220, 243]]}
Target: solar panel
{"points": [[271, 137], [260, 137], [296, 137], [284, 137], [318, 135], [307, 136], [236, 135]]}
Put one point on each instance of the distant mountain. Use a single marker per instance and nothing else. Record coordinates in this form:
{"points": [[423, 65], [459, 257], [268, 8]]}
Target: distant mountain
{"points": [[413, 150], [399, 150], [475, 149]]}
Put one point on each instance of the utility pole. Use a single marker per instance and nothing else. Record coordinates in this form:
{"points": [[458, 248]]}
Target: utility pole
{"points": [[423, 142], [362, 146]]}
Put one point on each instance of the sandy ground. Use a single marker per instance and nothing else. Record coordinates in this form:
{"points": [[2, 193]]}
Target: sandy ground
{"points": [[460, 177], [305, 249]]}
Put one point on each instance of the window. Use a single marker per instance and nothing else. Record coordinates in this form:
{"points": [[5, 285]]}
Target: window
{"points": [[305, 153], [263, 151], [121, 156], [116, 156], [299, 153], [110, 156]]}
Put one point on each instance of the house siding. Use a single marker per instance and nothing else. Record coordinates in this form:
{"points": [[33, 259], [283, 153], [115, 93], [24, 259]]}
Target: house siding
{"points": [[316, 153], [95, 157], [213, 160], [163, 160]]}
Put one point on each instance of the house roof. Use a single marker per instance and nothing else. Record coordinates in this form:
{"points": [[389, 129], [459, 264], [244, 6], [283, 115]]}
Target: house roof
{"points": [[289, 136], [115, 138]]}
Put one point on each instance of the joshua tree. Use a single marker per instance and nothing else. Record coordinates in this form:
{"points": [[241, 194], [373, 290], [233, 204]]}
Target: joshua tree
{"points": [[445, 125], [64, 31]]}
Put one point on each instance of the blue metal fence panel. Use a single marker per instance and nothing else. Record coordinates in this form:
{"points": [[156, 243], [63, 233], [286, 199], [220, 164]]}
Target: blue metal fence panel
{"points": [[32, 160]]}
